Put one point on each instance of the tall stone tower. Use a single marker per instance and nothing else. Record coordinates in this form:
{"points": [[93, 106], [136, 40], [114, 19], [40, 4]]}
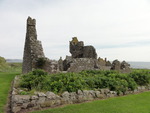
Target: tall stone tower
{"points": [[33, 48]]}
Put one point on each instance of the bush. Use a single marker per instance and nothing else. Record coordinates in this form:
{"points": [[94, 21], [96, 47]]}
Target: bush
{"points": [[34, 80], [141, 77], [90, 80], [39, 72], [70, 82], [40, 62]]}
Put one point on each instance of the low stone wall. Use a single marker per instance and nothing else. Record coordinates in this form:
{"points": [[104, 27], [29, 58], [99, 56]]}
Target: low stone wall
{"points": [[21, 103]]}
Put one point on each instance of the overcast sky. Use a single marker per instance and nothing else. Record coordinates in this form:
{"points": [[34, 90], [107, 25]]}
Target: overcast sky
{"points": [[118, 29]]}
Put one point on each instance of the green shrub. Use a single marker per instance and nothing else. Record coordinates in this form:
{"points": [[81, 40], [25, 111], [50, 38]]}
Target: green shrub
{"points": [[66, 82], [23, 93], [90, 80], [40, 62], [141, 77], [33, 80], [39, 72]]}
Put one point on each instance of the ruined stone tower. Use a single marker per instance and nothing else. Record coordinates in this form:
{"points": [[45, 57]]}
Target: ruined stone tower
{"points": [[33, 48], [78, 50]]}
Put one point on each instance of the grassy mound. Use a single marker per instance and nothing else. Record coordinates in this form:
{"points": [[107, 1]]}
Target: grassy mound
{"points": [[9, 67], [3, 64]]}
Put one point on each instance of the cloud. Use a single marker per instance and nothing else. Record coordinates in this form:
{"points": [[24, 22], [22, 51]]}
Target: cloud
{"points": [[128, 53], [117, 25]]}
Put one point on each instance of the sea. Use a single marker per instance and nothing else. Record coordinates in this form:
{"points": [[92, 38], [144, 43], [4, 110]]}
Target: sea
{"points": [[140, 65], [137, 65]]}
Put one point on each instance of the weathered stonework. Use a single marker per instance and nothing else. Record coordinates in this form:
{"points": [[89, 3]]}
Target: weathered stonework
{"points": [[60, 64], [78, 64], [78, 50], [33, 52], [123, 67], [33, 48], [83, 58]]}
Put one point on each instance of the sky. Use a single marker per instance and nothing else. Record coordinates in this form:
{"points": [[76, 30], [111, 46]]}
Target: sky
{"points": [[118, 29]]}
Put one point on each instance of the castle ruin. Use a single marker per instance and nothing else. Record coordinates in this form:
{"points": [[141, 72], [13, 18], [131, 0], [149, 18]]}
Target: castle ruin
{"points": [[34, 57], [78, 50], [82, 57]]}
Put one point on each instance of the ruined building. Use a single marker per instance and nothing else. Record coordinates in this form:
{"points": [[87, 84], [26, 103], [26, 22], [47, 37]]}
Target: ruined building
{"points": [[33, 52], [122, 67], [82, 57], [85, 58], [78, 50]]}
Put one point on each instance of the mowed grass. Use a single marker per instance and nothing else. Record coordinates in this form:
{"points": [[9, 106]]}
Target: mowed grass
{"points": [[139, 103], [5, 85]]}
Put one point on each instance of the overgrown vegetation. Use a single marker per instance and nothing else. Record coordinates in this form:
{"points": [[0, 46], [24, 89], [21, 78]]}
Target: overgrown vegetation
{"points": [[40, 62], [89, 80], [141, 77]]}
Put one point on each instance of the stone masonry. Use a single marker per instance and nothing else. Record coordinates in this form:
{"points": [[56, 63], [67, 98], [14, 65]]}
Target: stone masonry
{"points": [[82, 58], [85, 58], [122, 67], [78, 50], [33, 52], [33, 48]]}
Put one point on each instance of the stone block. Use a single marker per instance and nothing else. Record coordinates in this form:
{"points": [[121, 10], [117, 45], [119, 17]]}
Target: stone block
{"points": [[50, 95], [66, 97], [48, 103], [73, 97], [21, 98], [41, 100], [41, 94], [16, 109], [34, 97]]}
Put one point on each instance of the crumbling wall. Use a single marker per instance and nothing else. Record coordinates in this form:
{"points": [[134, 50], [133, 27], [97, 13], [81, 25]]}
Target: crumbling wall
{"points": [[33, 48], [78, 50], [78, 64], [122, 67], [33, 51]]}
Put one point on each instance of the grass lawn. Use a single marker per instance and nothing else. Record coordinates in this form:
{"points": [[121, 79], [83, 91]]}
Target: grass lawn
{"points": [[5, 83], [139, 103]]}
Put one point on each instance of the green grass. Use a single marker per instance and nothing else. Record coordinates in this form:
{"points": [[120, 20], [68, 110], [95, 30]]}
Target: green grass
{"points": [[127, 104], [7, 73], [5, 83]]}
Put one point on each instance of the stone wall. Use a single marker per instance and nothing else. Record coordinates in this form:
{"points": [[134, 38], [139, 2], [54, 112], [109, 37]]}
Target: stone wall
{"points": [[21, 103], [78, 64], [33, 48], [78, 50], [33, 51], [122, 67]]}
